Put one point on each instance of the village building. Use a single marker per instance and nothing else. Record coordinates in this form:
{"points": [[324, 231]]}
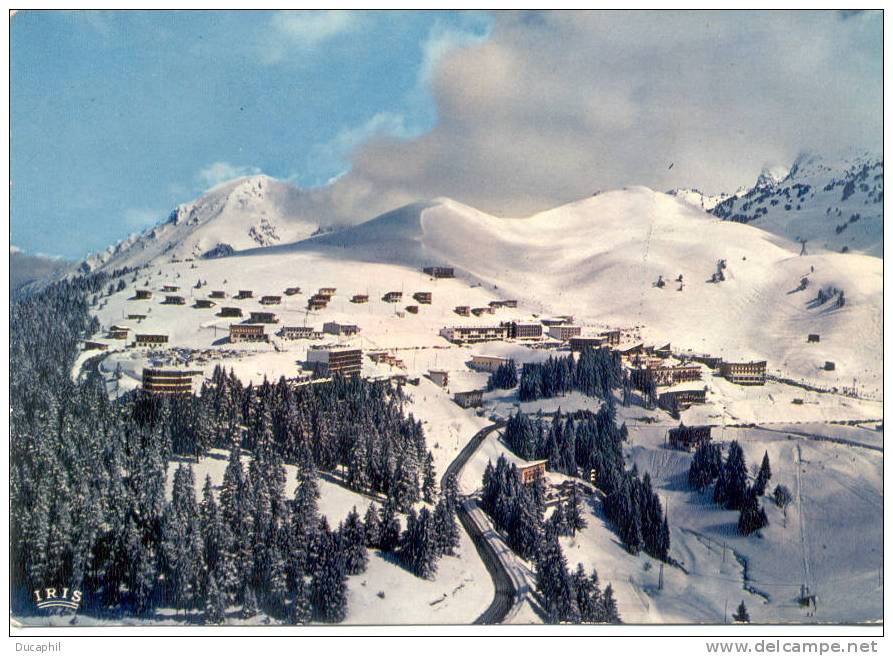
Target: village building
{"points": [[143, 294], [564, 332], [392, 297], [149, 340], [298, 332], [242, 332], [813, 338], [174, 300], [95, 346], [665, 375], [612, 337], [688, 437], [439, 377], [462, 310], [472, 334], [217, 293], [230, 312], [331, 361], [335, 328], [510, 303], [136, 317], [316, 303], [412, 309], [384, 357], [170, 288], [531, 471], [516, 330], [489, 363], [119, 332], [422, 298], [359, 298], [681, 399], [470, 399], [829, 366], [495, 304], [557, 321], [632, 351], [328, 291], [203, 303], [579, 343], [291, 291], [664, 351], [478, 311], [169, 381], [243, 294], [263, 317], [712, 362], [440, 272], [744, 373], [270, 300]]}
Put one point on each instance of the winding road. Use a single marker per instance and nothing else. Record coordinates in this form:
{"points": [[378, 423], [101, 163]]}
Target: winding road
{"points": [[509, 576]]}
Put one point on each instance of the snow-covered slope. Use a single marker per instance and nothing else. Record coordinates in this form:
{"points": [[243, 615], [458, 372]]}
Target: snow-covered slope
{"points": [[599, 259], [833, 204], [244, 213], [701, 200]]}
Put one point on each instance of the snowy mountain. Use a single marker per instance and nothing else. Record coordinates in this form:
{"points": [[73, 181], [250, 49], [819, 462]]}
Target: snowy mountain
{"points": [[699, 199], [244, 213], [26, 270], [834, 205]]}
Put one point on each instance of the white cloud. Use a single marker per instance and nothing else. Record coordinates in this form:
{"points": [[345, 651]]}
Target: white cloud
{"points": [[556, 105], [220, 172], [304, 31]]}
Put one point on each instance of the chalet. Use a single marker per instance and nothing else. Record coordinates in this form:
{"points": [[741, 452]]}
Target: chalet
{"points": [[330, 361], [564, 332], [241, 332], [473, 334], [95, 346], [328, 291], [204, 303], [119, 332], [612, 336], [462, 310], [712, 362], [515, 330], [829, 366], [230, 312], [291, 291], [383, 357], [174, 300], [143, 294], [557, 321], [316, 303], [422, 298], [243, 294], [440, 272], [263, 317], [359, 298], [664, 351], [170, 288], [688, 437], [478, 311], [412, 309], [439, 377], [488, 363], [392, 297], [470, 399], [297, 332], [813, 338], [664, 375], [270, 300], [744, 373], [681, 399], [531, 471], [495, 304], [510, 303], [169, 381], [217, 293], [149, 340], [136, 317], [335, 328], [631, 351], [579, 343]]}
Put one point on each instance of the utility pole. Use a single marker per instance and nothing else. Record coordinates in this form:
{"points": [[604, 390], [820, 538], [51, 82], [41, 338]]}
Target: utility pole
{"points": [[660, 581]]}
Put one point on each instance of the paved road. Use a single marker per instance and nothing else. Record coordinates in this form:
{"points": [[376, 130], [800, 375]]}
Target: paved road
{"points": [[509, 578]]}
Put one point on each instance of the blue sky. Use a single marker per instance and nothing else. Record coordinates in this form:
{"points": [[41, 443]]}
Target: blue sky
{"points": [[117, 117]]}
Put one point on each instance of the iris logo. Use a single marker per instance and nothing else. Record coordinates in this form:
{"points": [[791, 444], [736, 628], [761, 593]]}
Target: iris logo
{"points": [[58, 598]]}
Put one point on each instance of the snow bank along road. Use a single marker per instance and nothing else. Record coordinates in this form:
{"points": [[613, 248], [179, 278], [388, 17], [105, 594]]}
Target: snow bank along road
{"points": [[509, 578]]}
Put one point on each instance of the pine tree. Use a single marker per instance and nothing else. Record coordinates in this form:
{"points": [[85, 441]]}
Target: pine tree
{"points": [[763, 476], [353, 544], [372, 527], [215, 604], [753, 516], [574, 513], [741, 615], [446, 529], [609, 606], [429, 480], [249, 604], [301, 609], [390, 528], [328, 587]]}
